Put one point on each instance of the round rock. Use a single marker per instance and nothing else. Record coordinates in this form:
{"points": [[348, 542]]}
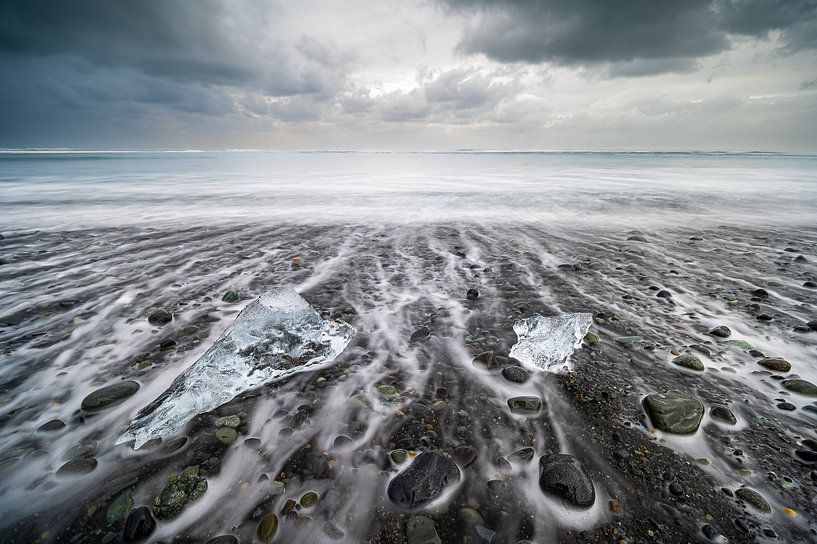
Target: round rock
{"points": [[515, 374], [109, 395], [721, 331], [674, 412], [775, 363], [801, 386], [160, 317], [689, 361], [424, 480], [564, 476], [139, 525]]}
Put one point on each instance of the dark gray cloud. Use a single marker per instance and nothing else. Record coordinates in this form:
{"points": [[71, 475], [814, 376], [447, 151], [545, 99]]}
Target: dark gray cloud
{"points": [[644, 36]]}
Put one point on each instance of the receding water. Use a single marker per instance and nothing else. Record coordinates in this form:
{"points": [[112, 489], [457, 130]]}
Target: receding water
{"points": [[93, 243]]}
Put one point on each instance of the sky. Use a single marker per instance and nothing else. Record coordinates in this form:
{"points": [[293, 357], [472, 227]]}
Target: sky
{"points": [[410, 74]]}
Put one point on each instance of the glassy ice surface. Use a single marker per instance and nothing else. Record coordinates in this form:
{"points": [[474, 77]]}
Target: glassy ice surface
{"points": [[547, 342], [277, 335]]}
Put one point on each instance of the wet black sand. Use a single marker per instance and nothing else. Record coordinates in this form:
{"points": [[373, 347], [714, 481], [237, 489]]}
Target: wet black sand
{"points": [[74, 318]]}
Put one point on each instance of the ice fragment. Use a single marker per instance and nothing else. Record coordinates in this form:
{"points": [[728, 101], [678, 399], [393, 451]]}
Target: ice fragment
{"points": [[546, 342]]}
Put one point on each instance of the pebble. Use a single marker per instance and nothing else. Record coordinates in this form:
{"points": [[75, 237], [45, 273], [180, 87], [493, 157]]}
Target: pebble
{"points": [[267, 528], [230, 297], [226, 435], [465, 455], [691, 362], [525, 404], [472, 294], [787, 406], [563, 475], [109, 395], [515, 374], [723, 414], [309, 499], [674, 412], [801, 386], [487, 360], [424, 480], [53, 425], [332, 531], [721, 331], [421, 530], [752, 497], [223, 539], [139, 525], [81, 465], [775, 363], [522, 455], [179, 491], [160, 317], [420, 334]]}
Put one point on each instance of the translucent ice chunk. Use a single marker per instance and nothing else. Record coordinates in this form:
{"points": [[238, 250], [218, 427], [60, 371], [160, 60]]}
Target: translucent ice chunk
{"points": [[275, 336], [546, 342]]}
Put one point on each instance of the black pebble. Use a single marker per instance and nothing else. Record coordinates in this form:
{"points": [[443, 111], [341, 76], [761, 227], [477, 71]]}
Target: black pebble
{"points": [[139, 525]]}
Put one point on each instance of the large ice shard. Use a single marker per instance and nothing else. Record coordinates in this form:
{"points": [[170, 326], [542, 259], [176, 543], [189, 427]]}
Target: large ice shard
{"points": [[547, 342], [275, 336]]}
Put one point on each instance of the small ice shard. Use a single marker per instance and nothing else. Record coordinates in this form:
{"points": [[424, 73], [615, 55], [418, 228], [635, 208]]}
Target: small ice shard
{"points": [[277, 335], [547, 342]]}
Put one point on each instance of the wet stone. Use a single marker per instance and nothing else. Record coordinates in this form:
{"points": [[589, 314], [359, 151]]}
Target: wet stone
{"points": [[160, 317], [421, 530], [230, 297], [753, 498], [179, 491], [223, 539], [522, 455], [267, 528], [424, 480], [564, 476], [81, 465], [515, 374], [674, 412], [398, 456], [525, 405], [691, 362], [787, 406], [232, 421], [721, 331], [723, 414], [53, 425], [465, 455], [806, 456], [472, 294], [119, 507], [109, 395], [420, 334], [591, 338], [775, 363], [801, 386], [487, 360], [309, 499], [139, 525], [760, 293], [341, 441], [332, 531], [226, 435]]}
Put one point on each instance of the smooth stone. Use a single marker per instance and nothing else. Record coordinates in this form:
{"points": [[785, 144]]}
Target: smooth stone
{"points": [[627, 340], [807, 456], [226, 435], [420, 334], [801, 386], [309, 499], [387, 390], [421, 530], [232, 421], [515, 374], [522, 455], [230, 297], [332, 531], [109, 395], [223, 539], [721, 331], [472, 294], [424, 480], [342, 441], [465, 455], [741, 344], [752, 497], [398, 456], [139, 525], [764, 317], [564, 476], [179, 491], [487, 359], [663, 293], [775, 363], [119, 507], [267, 527], [723, 414], [760, 293], [160, 317], [787, 406], [674, 412], [81, 465], [691, 362], [591, 338], [53, 425], [812, 324], [525, 404]]}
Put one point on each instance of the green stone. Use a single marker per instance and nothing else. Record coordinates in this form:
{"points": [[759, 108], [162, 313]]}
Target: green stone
{"points": [[591, 338], [627, 340], [226, 435], [179, 491], [332, 531], [278, 488], [421, 530], [119, 508], [689, 361], [109, 395], [267, 528], [674, 412], [309, 499], [398, 456], [752, 497], [358, 401], [387, 390], [801, 386], [740, 344], [230, 296]]}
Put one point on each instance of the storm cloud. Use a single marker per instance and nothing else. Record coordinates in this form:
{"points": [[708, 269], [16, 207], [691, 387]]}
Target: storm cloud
{"points": [[408, 73], [640, 36]]}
